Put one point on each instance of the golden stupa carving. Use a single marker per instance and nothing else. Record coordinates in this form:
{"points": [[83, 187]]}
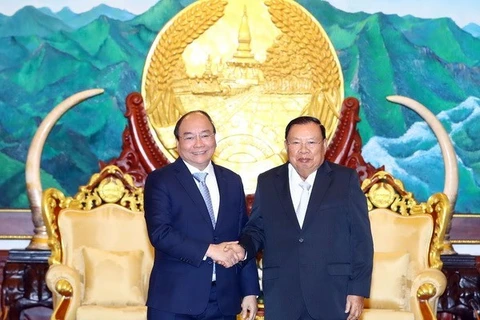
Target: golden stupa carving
{"points": [[253, 65]]}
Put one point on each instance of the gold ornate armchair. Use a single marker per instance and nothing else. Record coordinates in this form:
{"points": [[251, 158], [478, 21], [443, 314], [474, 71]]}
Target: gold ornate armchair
{"points": [[408, 240], [101, 255]]}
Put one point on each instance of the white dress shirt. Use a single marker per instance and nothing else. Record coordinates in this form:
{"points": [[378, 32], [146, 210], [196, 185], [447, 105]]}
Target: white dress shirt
{"points": [[294, 181], [212, 185]]}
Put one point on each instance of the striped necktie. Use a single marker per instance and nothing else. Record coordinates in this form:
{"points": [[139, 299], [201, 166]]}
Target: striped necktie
{"points": [[200, 177]]}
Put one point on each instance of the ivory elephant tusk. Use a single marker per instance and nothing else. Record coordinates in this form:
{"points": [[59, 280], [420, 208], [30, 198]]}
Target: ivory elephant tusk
{"points": [[32, 167], [450, 187]]}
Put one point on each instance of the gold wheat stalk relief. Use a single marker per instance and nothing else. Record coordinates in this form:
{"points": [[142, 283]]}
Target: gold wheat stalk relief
{"points": [[300, 29], [183, 31]]}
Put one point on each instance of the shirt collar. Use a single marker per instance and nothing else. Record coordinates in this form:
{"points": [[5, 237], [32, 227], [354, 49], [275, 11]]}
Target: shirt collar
{"points": [[208, 169], [295, 178]]}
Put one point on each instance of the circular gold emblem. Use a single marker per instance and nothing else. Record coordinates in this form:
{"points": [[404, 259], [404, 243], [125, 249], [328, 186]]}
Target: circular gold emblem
{"points": [[382, 195], [253, 65], [111, 190]]}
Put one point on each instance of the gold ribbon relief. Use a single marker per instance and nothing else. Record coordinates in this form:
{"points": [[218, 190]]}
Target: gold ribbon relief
{"points": [[253, 65]]}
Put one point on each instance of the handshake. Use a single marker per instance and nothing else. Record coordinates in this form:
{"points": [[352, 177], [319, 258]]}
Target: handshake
{"points": [[226, 254]]}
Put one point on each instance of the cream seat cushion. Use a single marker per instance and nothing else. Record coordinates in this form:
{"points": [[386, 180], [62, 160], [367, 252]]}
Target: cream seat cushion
{"points": [[111, 313], [382, 314]]}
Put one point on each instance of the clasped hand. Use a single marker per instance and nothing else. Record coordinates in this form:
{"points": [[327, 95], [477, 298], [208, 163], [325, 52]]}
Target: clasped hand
{"points": [[226, 254]]}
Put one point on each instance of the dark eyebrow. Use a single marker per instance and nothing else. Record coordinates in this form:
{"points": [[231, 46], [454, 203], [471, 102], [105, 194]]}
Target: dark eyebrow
{"points": [[203, 131]]}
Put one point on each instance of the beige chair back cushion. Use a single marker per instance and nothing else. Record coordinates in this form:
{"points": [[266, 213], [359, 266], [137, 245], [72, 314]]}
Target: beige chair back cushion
{"points": [[396, 234], [109, 227], [389, 281]]}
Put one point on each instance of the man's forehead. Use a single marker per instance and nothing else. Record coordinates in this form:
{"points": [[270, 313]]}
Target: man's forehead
{"points": [[305, 130], [195, 122]]}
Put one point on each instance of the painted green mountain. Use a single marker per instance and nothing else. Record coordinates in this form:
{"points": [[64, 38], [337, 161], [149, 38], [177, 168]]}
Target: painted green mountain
{"points": [[157, 16], [473, 29], [77, 20], [432, 60], [30, 21], [46, 60]]}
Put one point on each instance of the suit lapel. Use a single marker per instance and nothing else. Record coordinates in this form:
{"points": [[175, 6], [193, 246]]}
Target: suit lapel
{"points": [[283, 190], [223, 191], [320, 186], [186, 180]]}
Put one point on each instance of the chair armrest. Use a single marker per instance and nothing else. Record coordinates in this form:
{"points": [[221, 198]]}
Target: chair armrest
{"points": [[64, 283], [426, 288]]}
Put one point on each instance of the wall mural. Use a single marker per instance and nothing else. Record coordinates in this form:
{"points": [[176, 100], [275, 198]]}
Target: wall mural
{"points": [[49, 53]]}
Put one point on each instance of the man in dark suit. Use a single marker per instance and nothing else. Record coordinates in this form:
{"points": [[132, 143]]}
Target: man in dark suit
{"points": [[310, 217], [192, 208]]}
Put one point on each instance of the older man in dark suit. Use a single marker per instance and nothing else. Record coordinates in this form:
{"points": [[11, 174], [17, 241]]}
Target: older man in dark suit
{"points": [[310, 217], [192, 207]]}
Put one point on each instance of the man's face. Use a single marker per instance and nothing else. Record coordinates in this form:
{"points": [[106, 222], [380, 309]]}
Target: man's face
{"points": [[196, 142], [305, 148]]}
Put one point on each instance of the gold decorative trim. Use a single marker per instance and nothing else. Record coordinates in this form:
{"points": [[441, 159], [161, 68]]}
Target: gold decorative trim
{"points": [[465, 241], [439, 207], [426, 291], [64, 288], [111, 185], [15, 210], [384, 191], [15, 237], [467, 215]]}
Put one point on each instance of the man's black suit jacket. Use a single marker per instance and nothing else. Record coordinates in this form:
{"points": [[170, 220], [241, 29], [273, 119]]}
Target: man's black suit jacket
{"points": [[317, 266]]}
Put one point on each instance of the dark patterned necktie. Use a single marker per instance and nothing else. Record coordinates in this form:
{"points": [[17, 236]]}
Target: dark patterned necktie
{"points": [[200, 177]]}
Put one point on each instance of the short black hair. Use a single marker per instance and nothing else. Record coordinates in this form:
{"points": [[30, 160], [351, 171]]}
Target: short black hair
{"points": [[305, 120], [179, 122]]}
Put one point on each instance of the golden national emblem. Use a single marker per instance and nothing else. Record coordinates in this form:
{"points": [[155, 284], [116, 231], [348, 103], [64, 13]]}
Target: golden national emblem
{"points": [[253, 65]]}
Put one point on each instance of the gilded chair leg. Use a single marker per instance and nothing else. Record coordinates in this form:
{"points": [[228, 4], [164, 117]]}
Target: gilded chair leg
{"points": [[426, 311], [4, 313], [60, 312]]}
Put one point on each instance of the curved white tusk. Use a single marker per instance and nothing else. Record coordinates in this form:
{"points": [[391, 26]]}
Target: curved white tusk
{"points": [[450, 187], [32, 166]]}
